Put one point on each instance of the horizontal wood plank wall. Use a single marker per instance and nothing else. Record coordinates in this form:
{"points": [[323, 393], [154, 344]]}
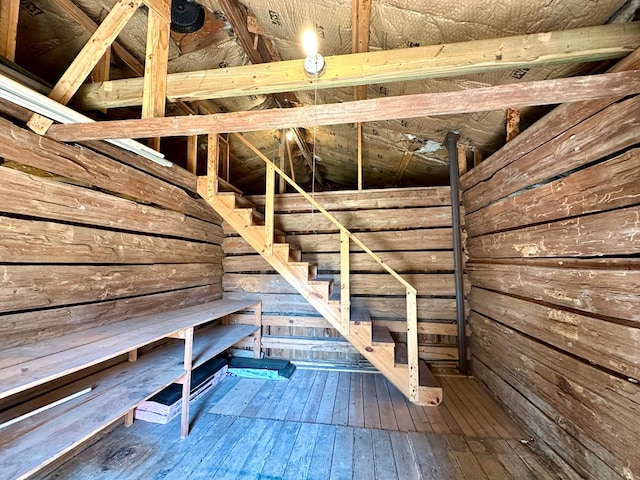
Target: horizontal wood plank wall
{"points": [[411, 231], [554, 246], [91, 236]]}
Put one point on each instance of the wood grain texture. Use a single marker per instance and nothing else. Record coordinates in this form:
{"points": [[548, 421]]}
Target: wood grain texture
{"points": [[404, 240], [607, 292], [579, 193], [603, 343], [482, 99], [24, 328], [576, 147], [39, 197], [354, 200], [562, 118], [434, 61], [87, 166], [33, 241], [402, 262], [562, 392], [37, 286], [607, 233]]}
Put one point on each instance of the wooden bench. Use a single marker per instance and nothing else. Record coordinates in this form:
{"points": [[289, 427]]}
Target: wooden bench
{"points": [[34, 442]]}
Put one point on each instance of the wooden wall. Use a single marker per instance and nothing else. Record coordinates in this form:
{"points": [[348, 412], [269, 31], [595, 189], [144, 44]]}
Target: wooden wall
{"points": [[89, 238], [409, 228], [553, 223]]}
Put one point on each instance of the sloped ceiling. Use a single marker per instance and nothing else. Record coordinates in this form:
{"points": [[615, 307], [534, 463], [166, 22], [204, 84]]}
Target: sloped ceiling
{"points": [[48, 40]]}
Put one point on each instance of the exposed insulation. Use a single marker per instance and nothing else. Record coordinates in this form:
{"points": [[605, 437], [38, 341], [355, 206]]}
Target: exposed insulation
{"points": [[48, 41]]}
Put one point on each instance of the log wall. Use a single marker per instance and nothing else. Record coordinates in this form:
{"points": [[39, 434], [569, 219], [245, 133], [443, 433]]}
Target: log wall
{"points": [[410, 229], [91, 235], [554, 244]]}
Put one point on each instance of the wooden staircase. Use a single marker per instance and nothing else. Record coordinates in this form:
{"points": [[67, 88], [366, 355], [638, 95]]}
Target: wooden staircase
{"points": [[397, 361]]}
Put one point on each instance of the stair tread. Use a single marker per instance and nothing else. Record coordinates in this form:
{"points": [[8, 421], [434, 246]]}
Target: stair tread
{"points": [[401, 356], [381, 335]]}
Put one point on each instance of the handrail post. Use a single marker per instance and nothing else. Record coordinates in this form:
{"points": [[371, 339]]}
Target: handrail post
{"points": [[412, 345], [345, 288], [213, 164], [269, 209]]}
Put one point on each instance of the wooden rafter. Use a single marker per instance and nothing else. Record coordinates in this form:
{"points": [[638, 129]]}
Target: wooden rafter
{"points": [[9, 13], [410, 106], [439, 61], [513, 123], [156, 65], [88, 57], [82, 19]]}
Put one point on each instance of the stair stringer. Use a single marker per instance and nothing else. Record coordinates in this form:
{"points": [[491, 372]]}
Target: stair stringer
{"points": [[380, 356]]}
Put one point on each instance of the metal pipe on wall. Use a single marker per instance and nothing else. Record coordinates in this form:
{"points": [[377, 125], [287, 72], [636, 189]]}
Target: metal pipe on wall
{"points": [[452, 146]]}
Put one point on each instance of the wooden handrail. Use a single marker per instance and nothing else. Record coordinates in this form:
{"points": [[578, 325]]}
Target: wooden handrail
{"points": [[345, 236], [333, 219]]}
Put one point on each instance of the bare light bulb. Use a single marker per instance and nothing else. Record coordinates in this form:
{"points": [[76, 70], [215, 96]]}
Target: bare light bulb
{"points": [[289, 135], [310, 43]]}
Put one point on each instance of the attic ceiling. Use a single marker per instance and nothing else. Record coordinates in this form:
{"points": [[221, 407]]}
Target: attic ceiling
{"points": [[395, 153]]}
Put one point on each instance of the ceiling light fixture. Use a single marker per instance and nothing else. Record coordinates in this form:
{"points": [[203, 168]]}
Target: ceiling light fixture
{"points": [[290, 135], [314, 62]]}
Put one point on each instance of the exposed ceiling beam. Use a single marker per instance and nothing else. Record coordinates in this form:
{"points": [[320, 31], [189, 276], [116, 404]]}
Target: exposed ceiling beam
{"points": [[9, 13], [88, 57], [438, 61], [409, 106]]}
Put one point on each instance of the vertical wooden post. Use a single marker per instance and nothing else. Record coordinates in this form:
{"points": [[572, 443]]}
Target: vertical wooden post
{"points": [[155, 67], [186, 381], [477, 158], [282, 184], [462, 159], [102, 71], [192, 154], [360, 171], [128, 418], [269, 207], [292, 172], [9, 14], [412, 345], [345, 287], [257, 337], [225, 154], [213, 159]]}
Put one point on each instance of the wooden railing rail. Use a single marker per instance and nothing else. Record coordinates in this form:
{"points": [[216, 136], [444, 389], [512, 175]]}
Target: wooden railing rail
{"points": [[345, 237]]}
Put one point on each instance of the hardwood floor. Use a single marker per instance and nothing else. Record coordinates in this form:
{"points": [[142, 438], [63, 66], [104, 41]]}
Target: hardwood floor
{"points": [[320, 425]]}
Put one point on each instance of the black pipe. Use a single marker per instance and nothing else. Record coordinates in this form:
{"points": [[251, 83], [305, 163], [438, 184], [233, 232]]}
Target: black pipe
{"points": [[452, 145]]}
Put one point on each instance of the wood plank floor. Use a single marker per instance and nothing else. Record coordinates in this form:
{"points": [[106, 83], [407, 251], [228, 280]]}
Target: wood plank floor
{"points": [[320, 425]]}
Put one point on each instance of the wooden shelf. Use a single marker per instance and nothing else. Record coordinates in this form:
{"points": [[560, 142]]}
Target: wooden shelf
{"points": [[35, 442], [24, 367], [211, 341]]}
